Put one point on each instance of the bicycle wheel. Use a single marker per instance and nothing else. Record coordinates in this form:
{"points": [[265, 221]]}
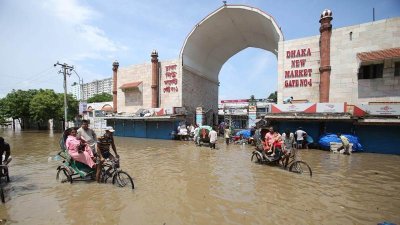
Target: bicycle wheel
{"points": [[3, 199], [105, 176], [256, 157], [63, 176], [301, 168], [5, 172], [122, 179]]}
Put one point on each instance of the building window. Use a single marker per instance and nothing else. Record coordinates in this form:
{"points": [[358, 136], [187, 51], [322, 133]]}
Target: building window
{"points": [[370, 71], [397, 69]]}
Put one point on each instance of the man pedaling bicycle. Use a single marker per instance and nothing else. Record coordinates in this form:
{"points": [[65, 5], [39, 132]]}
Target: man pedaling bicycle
{"points": [[103, 148]]}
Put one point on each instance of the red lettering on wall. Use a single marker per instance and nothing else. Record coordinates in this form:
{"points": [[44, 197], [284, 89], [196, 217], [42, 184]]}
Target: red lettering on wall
{"points": [[305, 52], [170, 80], [296, 72]]}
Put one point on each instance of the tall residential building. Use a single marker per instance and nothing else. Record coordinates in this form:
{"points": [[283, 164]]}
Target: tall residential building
{"points": [[88, 90], [97, 87], [75, 90]]}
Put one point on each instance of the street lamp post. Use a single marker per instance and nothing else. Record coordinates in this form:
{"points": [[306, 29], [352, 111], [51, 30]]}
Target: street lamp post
{"points": [[80, 86]]}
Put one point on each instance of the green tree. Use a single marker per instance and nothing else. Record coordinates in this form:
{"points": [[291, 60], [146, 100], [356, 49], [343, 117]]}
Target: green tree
{"points": [[103, 97], [2, 112], [44, 106], [273, 96], [49, 105], [16, 106], [73, 107]]}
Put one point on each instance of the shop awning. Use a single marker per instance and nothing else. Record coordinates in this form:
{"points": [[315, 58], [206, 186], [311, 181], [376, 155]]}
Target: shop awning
{"points": [[131, 85], [379, 55]]}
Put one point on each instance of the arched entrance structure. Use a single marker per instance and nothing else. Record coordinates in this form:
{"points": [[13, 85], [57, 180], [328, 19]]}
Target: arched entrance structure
{"points": [[219, 36]]}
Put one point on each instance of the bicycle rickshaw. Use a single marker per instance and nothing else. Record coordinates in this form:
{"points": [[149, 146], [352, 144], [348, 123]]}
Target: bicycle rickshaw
{"points": [[202, 135], [71, 171], [294, 162]]}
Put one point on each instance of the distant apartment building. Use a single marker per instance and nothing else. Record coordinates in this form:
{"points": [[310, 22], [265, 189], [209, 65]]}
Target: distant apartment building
{"points": [[75, 90], [90, 89]]}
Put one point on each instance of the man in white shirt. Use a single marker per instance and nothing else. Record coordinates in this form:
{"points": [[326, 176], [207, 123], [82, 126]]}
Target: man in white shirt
{"points": [[88, 135], [300, 134], [196, 134], [213, 138], [288, 100]]}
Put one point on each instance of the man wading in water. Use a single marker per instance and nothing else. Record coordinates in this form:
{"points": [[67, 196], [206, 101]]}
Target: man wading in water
{"points": [[103, 149]]}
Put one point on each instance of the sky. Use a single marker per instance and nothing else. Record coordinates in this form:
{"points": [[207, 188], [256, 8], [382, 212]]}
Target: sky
{"points": [[91, 35]]}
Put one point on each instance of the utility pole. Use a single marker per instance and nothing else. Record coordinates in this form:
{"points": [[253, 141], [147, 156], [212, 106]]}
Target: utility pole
{"points": [[65, 70]]}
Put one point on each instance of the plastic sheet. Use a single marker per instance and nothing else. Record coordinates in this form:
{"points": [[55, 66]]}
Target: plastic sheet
{"points": [[326, 138]]}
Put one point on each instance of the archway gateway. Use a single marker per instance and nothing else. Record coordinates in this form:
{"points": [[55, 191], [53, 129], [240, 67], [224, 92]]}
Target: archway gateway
{"points": [[219, 36]]}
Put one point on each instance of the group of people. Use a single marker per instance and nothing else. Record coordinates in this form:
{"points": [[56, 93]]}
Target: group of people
{"points": [[212, 135], [286, 144], [83, 146]]}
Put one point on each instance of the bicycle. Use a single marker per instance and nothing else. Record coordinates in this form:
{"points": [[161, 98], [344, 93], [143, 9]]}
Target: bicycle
{"points": [[72, 170], [111, 169]]}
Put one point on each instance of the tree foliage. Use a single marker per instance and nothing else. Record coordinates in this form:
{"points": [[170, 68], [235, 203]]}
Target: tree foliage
{"points": [[103, 97], [273, 96], [16, 105], [37, 106], [44, 106]]}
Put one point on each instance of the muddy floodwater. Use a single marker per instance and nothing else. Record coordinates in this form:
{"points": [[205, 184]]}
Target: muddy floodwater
{"points": [[179, 183]]}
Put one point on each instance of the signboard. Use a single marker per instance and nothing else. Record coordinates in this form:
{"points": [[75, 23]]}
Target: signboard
{"points": [[380, 110], [170, 80], [235, 101], [330, 107], [199, 119], [303, 107], [252, 120], [82, 107], [299, 74]]}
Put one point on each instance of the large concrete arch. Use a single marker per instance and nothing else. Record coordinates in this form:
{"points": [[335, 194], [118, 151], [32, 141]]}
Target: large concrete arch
{"points": [[225, 32], [219, 36]]}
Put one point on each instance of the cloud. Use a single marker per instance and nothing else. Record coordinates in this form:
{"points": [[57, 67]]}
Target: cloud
{"points": [[91, 41], [41, 33], [70, 11]]}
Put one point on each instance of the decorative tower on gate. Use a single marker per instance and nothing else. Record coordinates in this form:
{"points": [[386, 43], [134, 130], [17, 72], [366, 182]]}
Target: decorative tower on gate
{"points": [[115, 71], [325, 54], [155, 77]]}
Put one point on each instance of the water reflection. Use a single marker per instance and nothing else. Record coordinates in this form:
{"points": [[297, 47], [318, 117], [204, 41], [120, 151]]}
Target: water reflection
{"points": [[178, 183]]}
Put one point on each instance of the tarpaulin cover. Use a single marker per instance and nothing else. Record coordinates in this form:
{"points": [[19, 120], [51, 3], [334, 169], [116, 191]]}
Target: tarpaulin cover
{"points": [[326, 138], [245, 133], [208, 128]]}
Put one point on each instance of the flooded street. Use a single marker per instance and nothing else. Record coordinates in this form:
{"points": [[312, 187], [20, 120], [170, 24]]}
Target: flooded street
{"points": [[179, 183]]}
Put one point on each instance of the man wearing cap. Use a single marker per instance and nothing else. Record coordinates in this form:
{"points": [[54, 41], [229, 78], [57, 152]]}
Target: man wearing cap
{"points": [[103, 147], [88, 135]]}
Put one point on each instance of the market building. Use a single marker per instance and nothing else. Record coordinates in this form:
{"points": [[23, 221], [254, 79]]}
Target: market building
{"points": [[339, 76]]}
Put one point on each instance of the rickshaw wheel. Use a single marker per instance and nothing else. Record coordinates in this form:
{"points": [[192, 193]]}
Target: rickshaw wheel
{"points": [[256, 158], [5, 172], [301, 168], [3, 199], [123, 179], [63, 176]]}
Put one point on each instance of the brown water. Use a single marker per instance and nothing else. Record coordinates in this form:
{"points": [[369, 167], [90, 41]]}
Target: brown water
{"points": [[178, 183]]}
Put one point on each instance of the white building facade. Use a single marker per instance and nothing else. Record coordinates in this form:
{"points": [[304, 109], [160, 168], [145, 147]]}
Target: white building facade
{"points": [[364, 63], [97, 87]]}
